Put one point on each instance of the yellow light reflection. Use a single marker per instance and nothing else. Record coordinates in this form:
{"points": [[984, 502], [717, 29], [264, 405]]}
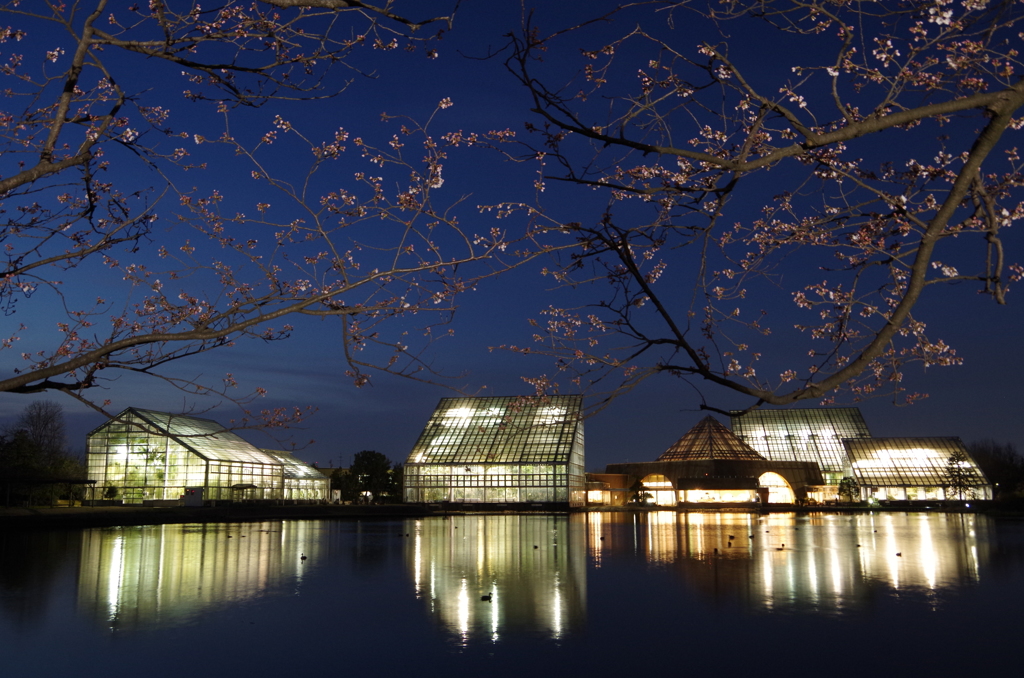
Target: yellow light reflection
{"points": [[164, 575], [929, 555], [825, 562], [463, 609], [491, 574], [114, 578], [417, 558], [595, 538], [556, 611]]}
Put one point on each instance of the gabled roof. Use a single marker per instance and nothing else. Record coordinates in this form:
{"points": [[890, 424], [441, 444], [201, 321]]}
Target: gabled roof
{"points": [[709, 439], [295, 469], [887, 462], [502, 430], [205, 437]]}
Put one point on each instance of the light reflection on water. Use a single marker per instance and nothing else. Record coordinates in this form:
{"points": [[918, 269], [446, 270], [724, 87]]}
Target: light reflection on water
{"points": [[826, 563], [166, 575], [534, 568], [597, 592]]}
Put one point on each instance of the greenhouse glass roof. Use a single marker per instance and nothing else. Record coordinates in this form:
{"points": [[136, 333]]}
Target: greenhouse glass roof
{"points": [[500, 430], [802, 434], [295, 468], [709, 439], [909, 462], [205, 437]]}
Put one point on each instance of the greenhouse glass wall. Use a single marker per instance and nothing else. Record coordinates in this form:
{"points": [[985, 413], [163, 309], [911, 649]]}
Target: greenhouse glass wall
{"points": [[812, 434], [915, 469], [142, 455], [500, 450], [301, 481]]}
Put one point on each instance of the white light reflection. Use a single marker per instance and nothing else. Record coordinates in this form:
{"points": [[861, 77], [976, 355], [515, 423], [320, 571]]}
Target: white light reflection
{"points": [[929, 555], [166, 575], [837, 574], [768, 579], [833, 563], [493, 573], [463, 610], [891, 559], [433, 588], [418, 560], [813, 579], [556, 611], [114, 578], [495, 606]]}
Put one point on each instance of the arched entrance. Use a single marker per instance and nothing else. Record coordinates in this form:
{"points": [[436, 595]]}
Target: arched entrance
{"points": [[660, 488], [779, 491]]}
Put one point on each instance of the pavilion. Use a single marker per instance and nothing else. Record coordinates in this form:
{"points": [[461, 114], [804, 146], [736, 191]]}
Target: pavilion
{"points": [[710, 465]]}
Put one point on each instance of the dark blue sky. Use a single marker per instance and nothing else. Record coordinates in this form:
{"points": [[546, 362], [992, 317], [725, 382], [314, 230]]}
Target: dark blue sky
{"points": [[980, 399]]}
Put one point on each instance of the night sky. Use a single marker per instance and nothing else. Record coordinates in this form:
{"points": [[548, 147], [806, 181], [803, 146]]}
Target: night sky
{"points": [[979, 399]]}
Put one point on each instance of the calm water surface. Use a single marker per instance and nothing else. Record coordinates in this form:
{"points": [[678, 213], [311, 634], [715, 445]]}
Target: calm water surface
{"points": [[915, 594]]}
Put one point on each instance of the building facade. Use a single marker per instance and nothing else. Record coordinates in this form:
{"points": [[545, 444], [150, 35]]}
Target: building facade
{"points": [[915, 469], [143, 456], [711, 465], [499, 450], [803, 434]]}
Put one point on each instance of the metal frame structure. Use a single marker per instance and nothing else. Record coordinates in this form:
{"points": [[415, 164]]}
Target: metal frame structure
{"points": [[914, 469], [803, 434], [149, 456], [521, 450]]}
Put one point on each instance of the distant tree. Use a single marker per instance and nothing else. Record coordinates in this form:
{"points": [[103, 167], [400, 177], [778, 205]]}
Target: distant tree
{"points": [[42, 423], [372, 471], [343, 480], [959, 478], [36, 445], [1002, 464], [849, 490], [397, 479], [34, 453], [19, 457], [639, 494]]}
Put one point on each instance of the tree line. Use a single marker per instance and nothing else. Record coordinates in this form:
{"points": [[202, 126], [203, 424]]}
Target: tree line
{"points": [[371, 479], [36, 463]]}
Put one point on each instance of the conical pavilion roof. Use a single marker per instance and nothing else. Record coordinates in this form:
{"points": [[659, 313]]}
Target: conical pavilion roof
{"points": [[710, 440]]}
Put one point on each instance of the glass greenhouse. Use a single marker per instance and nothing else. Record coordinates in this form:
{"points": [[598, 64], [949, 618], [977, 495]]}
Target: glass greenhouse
{"points": [[499, 450], [915, 469], [811, 434], [301, 481], [709, 440], [145, 456]]}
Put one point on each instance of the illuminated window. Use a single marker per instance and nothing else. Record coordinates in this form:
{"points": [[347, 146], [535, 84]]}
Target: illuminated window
{"points": [[779, 491]]}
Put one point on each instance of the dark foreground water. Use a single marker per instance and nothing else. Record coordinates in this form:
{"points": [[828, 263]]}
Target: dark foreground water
{"points": [[607, 594]]}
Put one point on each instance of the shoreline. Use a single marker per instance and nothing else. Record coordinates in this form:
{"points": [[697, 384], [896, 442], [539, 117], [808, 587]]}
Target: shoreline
{"points": [[114, 516]]}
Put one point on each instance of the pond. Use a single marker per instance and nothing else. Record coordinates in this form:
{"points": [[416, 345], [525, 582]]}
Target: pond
{"points": [[505, 595]]}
